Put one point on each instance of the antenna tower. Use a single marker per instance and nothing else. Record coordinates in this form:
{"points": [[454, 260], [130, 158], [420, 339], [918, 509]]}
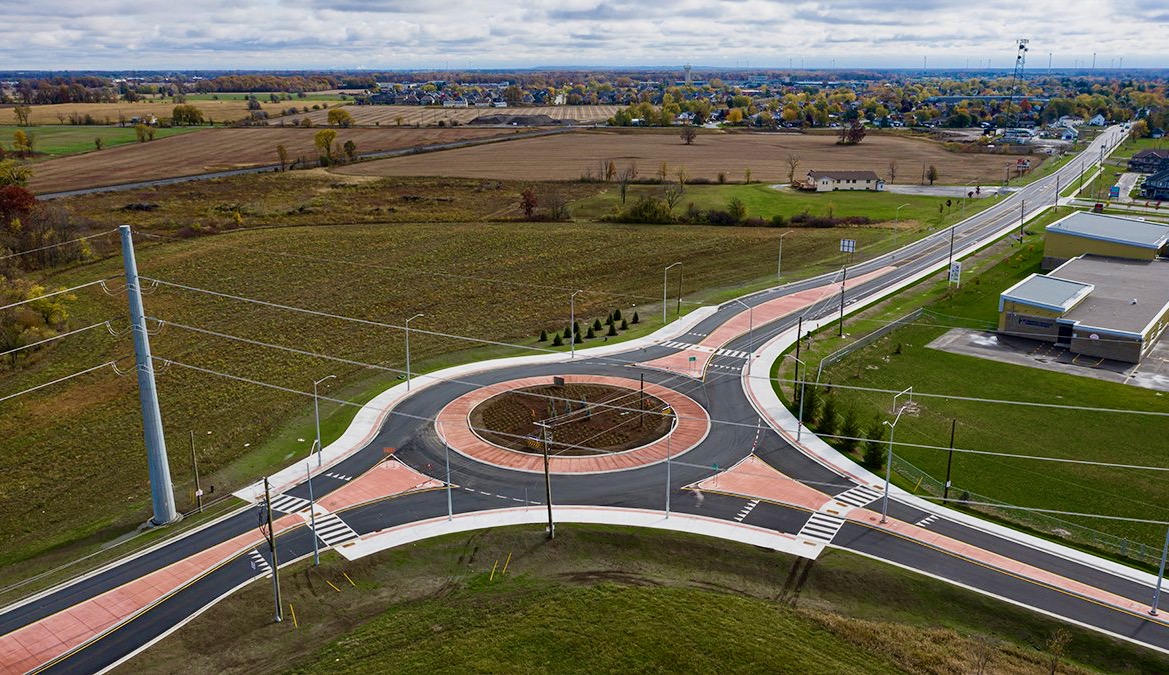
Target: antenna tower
{"points": [[1020, 63]]}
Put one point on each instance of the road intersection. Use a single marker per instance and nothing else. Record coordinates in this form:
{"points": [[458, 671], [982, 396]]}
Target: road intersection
{"points": [[744, 477]]}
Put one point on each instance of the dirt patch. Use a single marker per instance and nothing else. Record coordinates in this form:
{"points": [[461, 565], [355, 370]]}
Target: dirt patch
{"points": [[584, 419], [571, 156]]}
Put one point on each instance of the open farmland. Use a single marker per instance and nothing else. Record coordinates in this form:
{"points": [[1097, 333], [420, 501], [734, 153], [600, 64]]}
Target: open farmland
{"points": [[112, 113], [218, 150], [55, 440], [571, 156], [388, 115]]}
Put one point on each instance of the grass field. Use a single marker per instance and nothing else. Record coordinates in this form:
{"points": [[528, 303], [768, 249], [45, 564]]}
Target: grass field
{"points": [[71, 140], [89, 426], [902, 359], [219, 149], [766, 201], [389, 115], [110, 113], [571, 156], [1129, 147], [604, 599]]}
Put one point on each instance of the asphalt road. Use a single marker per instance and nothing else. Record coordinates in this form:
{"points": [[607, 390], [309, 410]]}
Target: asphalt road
{"points": [[483, 487]]}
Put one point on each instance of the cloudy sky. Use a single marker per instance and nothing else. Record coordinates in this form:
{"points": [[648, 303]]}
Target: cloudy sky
{"points": [[395, 34]]}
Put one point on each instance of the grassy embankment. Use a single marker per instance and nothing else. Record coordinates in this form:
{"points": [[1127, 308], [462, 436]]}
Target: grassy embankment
{"points": [[603, 599], [58, 140], [902, 359], [57, 440]]}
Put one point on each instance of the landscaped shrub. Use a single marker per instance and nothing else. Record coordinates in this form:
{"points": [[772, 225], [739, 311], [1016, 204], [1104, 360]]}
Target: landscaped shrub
{"points": [[828, 417], [875, 447], [636, 319], [596, 324], [590, 334], [612, 330], [624, 324], [543, 336], [558, 341], [616, 315]]}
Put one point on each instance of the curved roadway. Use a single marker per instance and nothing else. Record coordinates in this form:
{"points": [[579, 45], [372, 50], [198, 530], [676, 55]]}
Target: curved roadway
{"points": [[721, 392]]}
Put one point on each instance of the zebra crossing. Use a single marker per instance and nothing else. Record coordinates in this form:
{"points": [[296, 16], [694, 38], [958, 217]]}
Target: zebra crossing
{"points": [[333, 531], [858, 496], [821, 527], [927, 520], [746, 510], [259, 562], [289, 504], [721, 366], [339, 476], [696, 334], [673, 344], [733, 353]]}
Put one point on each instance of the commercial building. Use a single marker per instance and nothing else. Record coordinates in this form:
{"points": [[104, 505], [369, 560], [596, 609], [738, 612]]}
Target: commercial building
{"points": [[828, 181], [1084, 233], [1106, 308]]}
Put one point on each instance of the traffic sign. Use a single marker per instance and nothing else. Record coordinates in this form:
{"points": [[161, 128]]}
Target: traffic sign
{"points": [[956, 273], [848, 245]]}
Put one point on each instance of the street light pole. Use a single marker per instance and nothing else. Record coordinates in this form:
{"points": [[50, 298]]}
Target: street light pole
{"points": [[1022, 215], [803, 388], [669, 435], [843, 283], [889, 464], [779, 259], [897, 213], [750, 318], [317, 414], [1160, 576], [408, 348], [572, 323], [195, 464], [450, 502], [949, 462], [312, 509], [665, 277], [271, 536]]}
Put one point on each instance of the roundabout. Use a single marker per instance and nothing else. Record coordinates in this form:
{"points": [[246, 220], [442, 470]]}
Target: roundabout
{"points": [[591, 424]]}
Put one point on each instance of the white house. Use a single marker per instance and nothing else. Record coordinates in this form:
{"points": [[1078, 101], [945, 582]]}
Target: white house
{"points": [[1097, 121], [828, 181]]}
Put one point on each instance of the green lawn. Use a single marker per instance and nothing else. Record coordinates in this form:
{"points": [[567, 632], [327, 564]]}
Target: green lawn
{"points": [[1129, 147], [606, 600], [764, 201], [901, 360], [58, 140]]}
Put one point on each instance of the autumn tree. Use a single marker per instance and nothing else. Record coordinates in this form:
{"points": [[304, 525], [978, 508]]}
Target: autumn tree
{"points": [[689, 133], [931, 174], [735, 116], [13, 172], [21, 112], [142, 132], [324, 144], [186, 115], [340, 117], [22, 142], [350, 149], [282, 155], [793, 163], [528, 202], [1140, 129], [29, 322]]}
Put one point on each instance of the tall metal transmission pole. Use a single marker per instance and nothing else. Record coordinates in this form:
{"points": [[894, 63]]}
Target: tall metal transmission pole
{"points": [[1020, 63], [161, 491]]}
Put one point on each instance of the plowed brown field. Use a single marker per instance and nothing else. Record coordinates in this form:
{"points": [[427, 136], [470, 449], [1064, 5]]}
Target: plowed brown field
{"points": [[218, 150], [569, 156], [108, 113], [388, 115]]}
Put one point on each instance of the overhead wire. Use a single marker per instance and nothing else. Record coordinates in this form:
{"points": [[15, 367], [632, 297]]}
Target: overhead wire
{"points": [[55, 245], [59, 292], [38, 343]]}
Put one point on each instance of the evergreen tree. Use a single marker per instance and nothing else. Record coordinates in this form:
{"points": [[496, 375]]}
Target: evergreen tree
{"points": [[612, 330], [875, 446], [579, 338], [811, 405], [828, 417], [558, 341], [617, 315], [851, 429], [590, 334], [596, 324], [543, 336], [636, 319], [567, 332], [624, 324]]}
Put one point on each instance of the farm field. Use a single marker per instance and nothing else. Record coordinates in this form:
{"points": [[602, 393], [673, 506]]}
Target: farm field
{"points": [[110, 113], [59, 140], [901, 359], [608, 599], [381, 271], [572, 156], [388, 115], [217, 150]]}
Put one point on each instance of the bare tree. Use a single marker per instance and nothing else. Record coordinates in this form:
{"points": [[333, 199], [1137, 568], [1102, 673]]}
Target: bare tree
{"points": [[793, 163], [610, 171], [1056, 646], [557, 205], [681, 174], [21, 112], [282, 154], [672, 194], [663, 170], [984, 649], [624, 179], [892, 170], [689, 133]]}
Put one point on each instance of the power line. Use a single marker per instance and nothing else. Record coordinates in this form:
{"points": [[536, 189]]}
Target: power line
{"points": [[60, 243], [61, 379], [64, 290], [105, 323]]}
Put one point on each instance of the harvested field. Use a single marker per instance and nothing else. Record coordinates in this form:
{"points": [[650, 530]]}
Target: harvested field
{"points": [[110, 113], [219, 150], [388, 115], [571, 156]]}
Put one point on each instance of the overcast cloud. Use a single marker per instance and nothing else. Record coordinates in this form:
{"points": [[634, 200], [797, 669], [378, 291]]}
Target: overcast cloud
{"points": [[409, 34]]}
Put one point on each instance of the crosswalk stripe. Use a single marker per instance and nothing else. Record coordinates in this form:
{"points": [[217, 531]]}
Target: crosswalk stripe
{"points": [[822, 527], [289, 504], [927, 520], [746, 510], [333, 531], [858, 496], [258, 561], [339, 476]]}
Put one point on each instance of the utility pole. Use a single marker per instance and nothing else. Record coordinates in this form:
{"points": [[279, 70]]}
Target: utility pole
{"points": [[843, 281], [950, 261], [1022, 208], [161, 491], [572, 322], [416, 316], [678, 312], [665, 277], [949, 462], [271, 536], [195, 465], [669, 434], [317, 414], [1160, 576], [779, 259], [547, 482]]}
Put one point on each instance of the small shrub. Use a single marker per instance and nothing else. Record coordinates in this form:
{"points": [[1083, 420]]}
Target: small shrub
{"points": [[590, 334], [596, 324], [624, 324], [609, 319], [636, 319], [543, 336], [567, 332], [558, 341], [777, 221], [612, 330], [722, 177], [616, 315]]}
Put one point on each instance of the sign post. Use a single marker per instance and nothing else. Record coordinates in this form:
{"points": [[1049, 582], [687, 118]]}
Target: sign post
{"points": [[956, 273]]}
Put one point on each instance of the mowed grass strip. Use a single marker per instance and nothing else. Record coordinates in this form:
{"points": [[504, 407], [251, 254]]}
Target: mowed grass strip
{"points": [[71, 140], [571, 156], [226, 110], [73, 455], [902, 359], [607, 599]]}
